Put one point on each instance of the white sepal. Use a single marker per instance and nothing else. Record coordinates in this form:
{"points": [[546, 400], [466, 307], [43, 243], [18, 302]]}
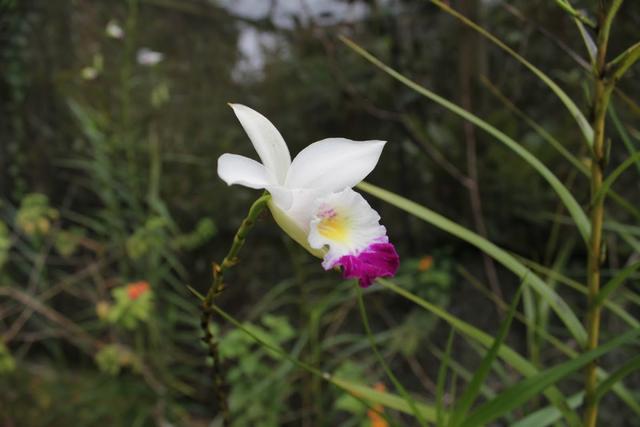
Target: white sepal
{"points": [[235, 169], [266, 140], [293, 229]]}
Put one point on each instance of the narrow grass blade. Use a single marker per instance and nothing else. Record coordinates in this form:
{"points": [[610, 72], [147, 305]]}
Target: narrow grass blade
{"points": [[606, 185], [548, 415], [616, 376], [589, 44], [626, 139], [566, 6], [574, 209], [517, 395], [544, 134], [615, 283], [442, 380], [372, 342], [558, 305], [623, 393], [505, 352], [385, 399], [473, 388], [582, 121], [540, 130]]}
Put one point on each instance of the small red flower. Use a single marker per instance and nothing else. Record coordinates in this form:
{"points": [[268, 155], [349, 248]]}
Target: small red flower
{"points": [[135, 289]]}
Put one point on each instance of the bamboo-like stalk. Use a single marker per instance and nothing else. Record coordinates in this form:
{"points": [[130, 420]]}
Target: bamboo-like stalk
{"points": [[207, 308], [603, 87]]}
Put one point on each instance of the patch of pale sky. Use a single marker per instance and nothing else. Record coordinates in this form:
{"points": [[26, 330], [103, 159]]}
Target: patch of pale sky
{"points": [[285, 12], [253, 44]]}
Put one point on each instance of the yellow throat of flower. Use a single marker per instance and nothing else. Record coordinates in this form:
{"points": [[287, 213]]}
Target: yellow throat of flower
{"points": [[334, 227]]}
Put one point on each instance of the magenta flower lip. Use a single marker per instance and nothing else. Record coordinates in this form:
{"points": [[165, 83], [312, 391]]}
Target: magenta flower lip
{"points": [[377, 260]]}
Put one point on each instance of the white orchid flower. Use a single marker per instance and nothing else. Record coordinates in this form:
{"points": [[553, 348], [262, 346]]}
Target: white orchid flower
{"points": [[312, 196]]}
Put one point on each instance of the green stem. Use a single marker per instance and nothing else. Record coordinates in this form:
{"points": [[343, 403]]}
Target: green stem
{"points": [[208, 303], [566, 6], [372, 342], [602, 94]]}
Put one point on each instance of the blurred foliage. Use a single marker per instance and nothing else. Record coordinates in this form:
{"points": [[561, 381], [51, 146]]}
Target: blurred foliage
{"points": [[35, 215], [108, 181]]}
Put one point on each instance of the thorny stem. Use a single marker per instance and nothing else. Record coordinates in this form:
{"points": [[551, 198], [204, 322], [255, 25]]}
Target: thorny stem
{"points": [[602, 94], [208, 303]]}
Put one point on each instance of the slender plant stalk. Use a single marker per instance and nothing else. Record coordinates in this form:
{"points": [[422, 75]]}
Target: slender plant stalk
{"points": [[387, 370], [216, 288], [602, 94]]}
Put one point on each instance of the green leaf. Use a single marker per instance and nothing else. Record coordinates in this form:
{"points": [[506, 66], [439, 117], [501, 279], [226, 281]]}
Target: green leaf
{"points": [[615, 282], [520, 393], [626, 140], [385, 399], [574, 209], [625, 395], [396, 383], [582, 121], [473, 389], [546, 416], [606, 185], [540, 130], [580, 17], [560, 307], [626, 369], [506, 353], [442, 379]]}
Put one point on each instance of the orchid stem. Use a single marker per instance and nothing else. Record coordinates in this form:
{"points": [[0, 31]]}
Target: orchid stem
{"points": [[604, 85], [216, 288], [372, 341]]}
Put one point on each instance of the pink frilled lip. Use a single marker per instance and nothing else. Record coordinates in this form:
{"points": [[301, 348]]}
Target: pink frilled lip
{"points": [[377, 260]]}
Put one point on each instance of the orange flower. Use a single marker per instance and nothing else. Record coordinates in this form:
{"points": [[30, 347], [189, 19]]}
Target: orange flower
{"points": [[135, 289], [425, 263], [374, 413]]}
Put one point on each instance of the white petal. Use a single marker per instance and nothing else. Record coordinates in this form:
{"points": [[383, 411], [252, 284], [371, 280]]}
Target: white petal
{"points": [[333, 164], [266, 140], [234, 169], [345, 224]]}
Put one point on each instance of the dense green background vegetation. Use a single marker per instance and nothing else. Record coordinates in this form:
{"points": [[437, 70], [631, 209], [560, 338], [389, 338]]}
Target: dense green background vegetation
{"points": [[108, 178]]}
